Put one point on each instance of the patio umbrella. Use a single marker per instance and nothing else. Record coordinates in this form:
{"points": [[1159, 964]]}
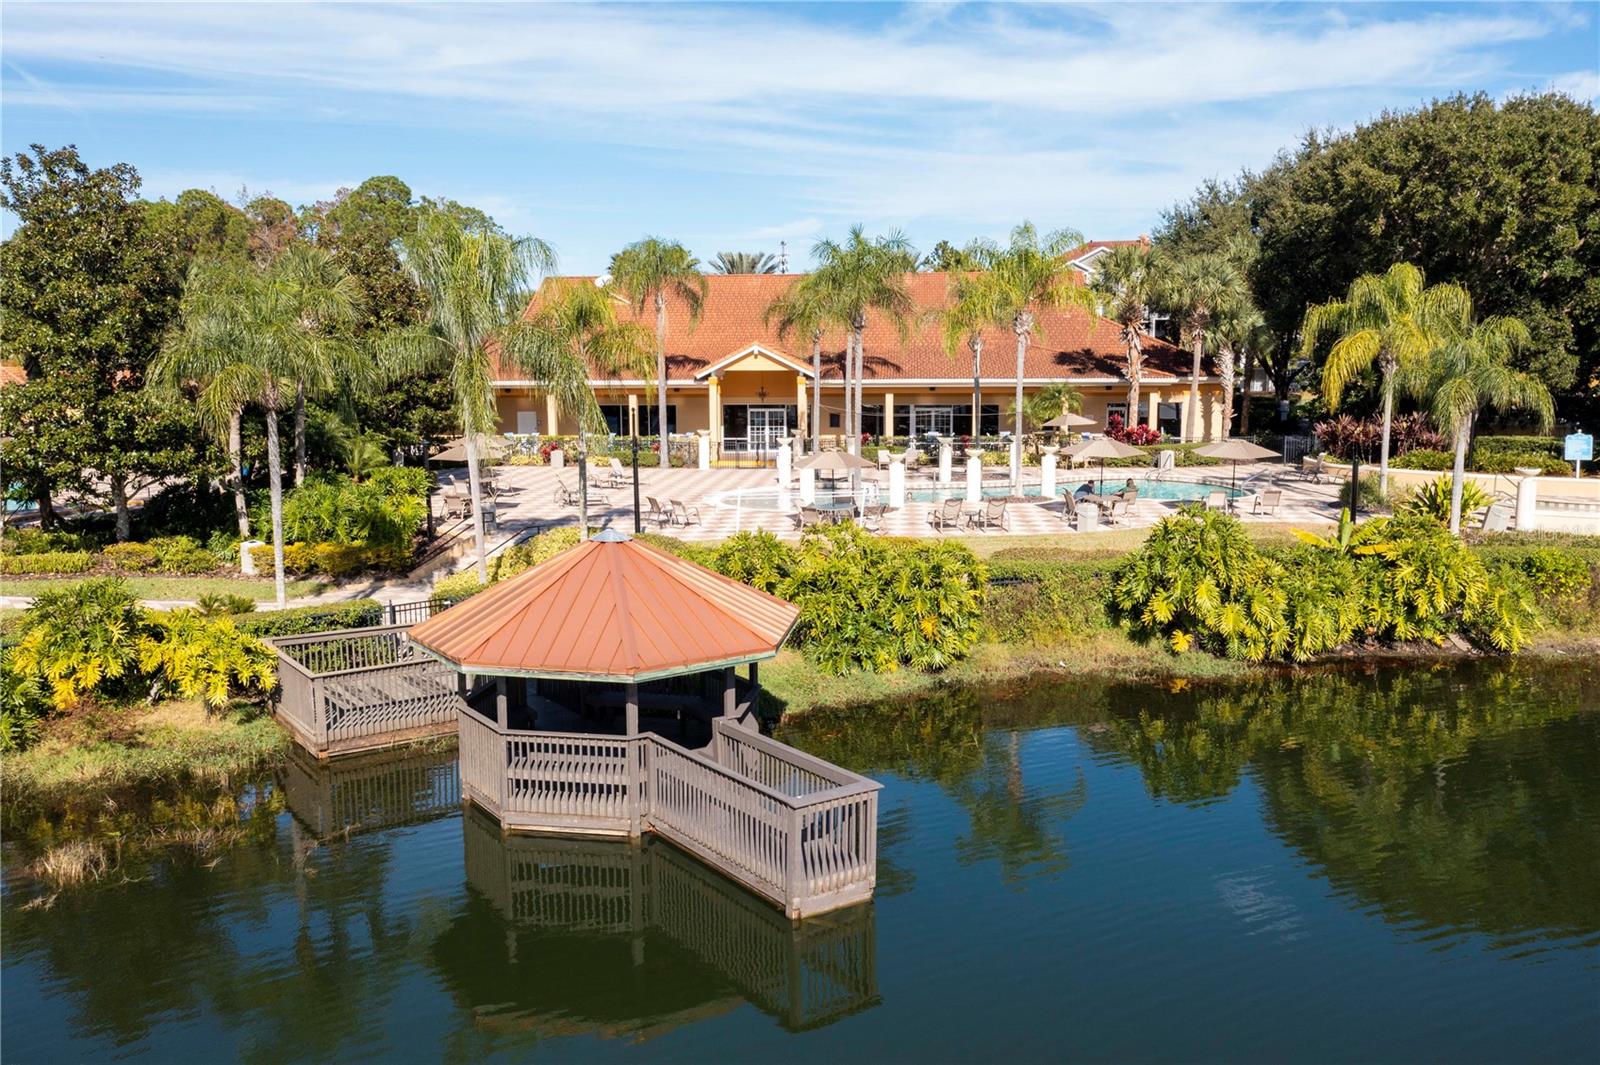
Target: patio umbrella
{"points": [[1235, 452], [1069, 421], [835, 460], [1102, 448]]}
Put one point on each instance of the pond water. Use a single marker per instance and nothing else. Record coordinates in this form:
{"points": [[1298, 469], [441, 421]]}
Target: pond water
{"points": [[1388, 865]]}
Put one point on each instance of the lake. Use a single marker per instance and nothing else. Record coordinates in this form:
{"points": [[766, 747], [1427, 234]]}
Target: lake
{"points": [[1390, 864]]}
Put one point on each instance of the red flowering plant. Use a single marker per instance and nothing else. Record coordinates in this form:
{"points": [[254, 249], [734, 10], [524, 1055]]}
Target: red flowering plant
{"points": [[1137, 435]]}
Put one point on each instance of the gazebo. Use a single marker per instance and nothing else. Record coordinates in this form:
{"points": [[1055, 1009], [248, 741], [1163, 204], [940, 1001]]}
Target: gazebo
{"points": [[600, 695]]}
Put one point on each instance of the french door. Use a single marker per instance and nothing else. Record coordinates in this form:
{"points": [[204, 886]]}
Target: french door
{"points": [[768, 427]]}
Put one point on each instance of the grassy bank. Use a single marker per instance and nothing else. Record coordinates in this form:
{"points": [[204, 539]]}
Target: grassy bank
{"points": [[173, 588], [81, 761]]}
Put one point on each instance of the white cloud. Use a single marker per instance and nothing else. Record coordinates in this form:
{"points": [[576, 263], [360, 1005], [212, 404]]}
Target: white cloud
{"points": [[1579, 84]]}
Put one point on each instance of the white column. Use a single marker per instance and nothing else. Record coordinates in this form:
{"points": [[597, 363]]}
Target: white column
{"points": [[897, 482], [974, 480], [785, 464], [703, 448], [1047, 475], [1527, 504], [633, 413], [945, 459], [808, 485]]}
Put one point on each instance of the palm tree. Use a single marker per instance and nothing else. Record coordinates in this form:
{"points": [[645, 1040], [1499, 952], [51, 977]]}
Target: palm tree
{"points": [[245, 334], [804, 309], [325, 299], [475, 280], [577, 323], [856, 278], [1127, 282], [1049, 402], [1023, 278], [1237, 331], [1195, 289], [1468, 372], [745, 262], [1392, 319], [646, 272], [973, 308]]}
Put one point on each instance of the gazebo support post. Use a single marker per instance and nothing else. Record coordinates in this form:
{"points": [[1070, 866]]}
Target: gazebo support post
{"points": [[755, 690], [630, 704], [730, 695], [501, 703]]}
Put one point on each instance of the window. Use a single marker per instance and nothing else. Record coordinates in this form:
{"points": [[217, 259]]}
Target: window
{"points": [[1117, 410], [833, 419], [650, 419], [616, 416], [872, 419]]}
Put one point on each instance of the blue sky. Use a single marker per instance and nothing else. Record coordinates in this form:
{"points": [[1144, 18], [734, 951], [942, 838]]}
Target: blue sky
{"points": [[737, 126]]}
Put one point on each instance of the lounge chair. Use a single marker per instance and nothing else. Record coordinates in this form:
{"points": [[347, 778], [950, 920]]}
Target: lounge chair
{"points": [[1217, 500], [1267, 502], [683, 514], [619, 476], [948, 516], [566, 494], [872, 516], [994, 515]]}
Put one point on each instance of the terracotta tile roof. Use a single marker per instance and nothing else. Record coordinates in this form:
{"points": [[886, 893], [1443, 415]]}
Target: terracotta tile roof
{"points": [[12, 373], [1072, 345], [609, 610]]}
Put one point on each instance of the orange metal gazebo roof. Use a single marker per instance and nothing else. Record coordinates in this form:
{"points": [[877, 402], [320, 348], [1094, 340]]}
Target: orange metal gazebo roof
{"points": [[610, 609]]}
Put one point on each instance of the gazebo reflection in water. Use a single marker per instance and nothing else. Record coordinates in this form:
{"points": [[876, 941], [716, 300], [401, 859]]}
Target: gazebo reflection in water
{"points": [[600, 696]]}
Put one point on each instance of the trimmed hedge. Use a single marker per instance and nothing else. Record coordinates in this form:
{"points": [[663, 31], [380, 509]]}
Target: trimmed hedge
{"points": [[46, 562], [299, 620]]}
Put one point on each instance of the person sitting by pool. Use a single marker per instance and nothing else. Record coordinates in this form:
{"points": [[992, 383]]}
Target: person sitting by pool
{"points": [[1084, 489], [1129, 487]]}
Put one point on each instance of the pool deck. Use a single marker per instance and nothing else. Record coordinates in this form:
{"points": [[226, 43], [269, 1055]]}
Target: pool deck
{"points": [[528, 501]]}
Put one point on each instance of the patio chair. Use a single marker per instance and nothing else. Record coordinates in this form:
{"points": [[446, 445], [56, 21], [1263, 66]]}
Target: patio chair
{"points": [[994, 514], [619, 476], [1267, 502], [810, 517], [684, 515], [1069, 506], [1116, 510], [1217, 500], [1314, 469], [654, 511], [872, 517], [566, 494], [948, 516], [455, 500], [1130, 496]]}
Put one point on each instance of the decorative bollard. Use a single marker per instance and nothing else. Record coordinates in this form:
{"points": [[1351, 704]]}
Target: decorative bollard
{"points": [[945, 461], [703, 449], [897, 483], [247, 558], [558, 459], [974, 480], [1527, 501], [808, 486]]}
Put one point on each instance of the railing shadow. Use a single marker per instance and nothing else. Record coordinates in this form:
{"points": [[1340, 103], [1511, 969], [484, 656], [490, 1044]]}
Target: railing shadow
{"points": [[670, 910], [372, 791]]}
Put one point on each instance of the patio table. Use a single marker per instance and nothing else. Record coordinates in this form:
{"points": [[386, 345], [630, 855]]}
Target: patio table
{"points": [[837, 511]]}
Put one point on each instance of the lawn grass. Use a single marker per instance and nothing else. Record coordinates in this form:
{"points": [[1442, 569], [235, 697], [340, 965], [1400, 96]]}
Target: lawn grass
{"points": [[81, 759], [173, 588]]}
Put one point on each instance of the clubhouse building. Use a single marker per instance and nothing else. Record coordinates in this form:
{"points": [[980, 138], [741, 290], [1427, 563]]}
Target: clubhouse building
{"points": [[732, 375]]}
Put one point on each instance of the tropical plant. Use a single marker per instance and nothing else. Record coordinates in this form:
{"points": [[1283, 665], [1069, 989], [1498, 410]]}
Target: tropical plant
{"points": [[22, 704], [758, 559], [475, 280], [1047, 403], [363, 454], [1238, 331], [384, 511], [804, 308], [1135, 434], [647, 272], [325, 301], [205, 657], [1029, 275], [1393, 320], [745, 262], [81, 641], [859, 277], [1471, 371], [223, 604], [1127, 282], [1196, 289], [1436, 499]]}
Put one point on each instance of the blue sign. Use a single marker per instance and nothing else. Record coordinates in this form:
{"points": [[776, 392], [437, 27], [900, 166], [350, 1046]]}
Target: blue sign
{"points": [[1580, 447]]}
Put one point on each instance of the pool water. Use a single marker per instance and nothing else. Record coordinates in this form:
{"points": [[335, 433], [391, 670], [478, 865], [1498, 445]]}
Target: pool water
{"points": [[1383, 865], [767, 499]]}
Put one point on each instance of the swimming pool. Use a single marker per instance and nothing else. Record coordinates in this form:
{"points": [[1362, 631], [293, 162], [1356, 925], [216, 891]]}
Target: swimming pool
{"points": [[766, 499]]}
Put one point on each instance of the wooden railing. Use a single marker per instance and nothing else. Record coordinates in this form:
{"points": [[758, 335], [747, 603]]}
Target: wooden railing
{"points": [[361, 689], [808, 845]]}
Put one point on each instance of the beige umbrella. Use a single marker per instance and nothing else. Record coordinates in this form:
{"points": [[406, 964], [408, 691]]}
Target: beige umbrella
{"points": [[1069, 421], [1235, 451], [835, 460], [1102, 448], [490, 449]]}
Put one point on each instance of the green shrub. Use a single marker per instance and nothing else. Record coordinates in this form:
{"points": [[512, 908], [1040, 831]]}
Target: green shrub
{"points": [[531, 552], [205, 657], [299, 620], [1432, 500], [759, 559], [1038, 600], [867, 602], [385, 510], [1511, 461], [1424, 459], [458, 586], [182, 554], [40, 542], [22, 705], [46, 562], [224, 604], [130, 556]]}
